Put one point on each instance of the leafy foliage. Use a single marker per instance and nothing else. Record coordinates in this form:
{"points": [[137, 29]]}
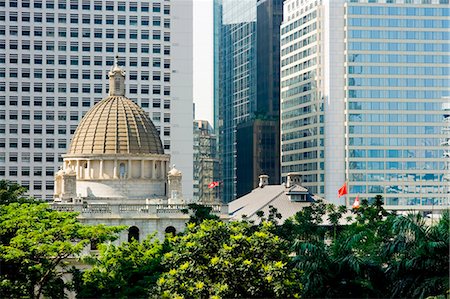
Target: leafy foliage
{"points": [[35, 242], [418, 255], [380, 255], [129, 270], [199, 213], [216, 259], [11, 192]]}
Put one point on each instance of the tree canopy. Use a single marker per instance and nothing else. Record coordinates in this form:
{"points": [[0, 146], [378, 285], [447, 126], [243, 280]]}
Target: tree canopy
{"points": [[11, 192], [215, 259], [128, 270], [315, 254], [36, 242], [379, 255]]}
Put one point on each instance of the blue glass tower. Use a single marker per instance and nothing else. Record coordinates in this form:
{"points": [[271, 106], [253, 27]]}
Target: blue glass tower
{"points": [[237, 82], [397, 69], [363, 86], [247, 92]]}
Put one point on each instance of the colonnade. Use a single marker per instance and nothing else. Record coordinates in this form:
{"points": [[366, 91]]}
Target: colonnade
{"points": [[119, 168]]}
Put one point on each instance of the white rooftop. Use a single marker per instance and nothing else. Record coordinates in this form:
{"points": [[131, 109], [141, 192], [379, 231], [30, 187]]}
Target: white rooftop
{"points": [[260, 199]]}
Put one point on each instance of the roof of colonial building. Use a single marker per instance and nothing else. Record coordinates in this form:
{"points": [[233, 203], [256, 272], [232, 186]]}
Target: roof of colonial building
{"points": [[116, 125], [260, 199], [277, 196]]}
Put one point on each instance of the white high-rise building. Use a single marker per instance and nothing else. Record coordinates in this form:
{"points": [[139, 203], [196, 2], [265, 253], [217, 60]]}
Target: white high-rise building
{"points": [[362, 88], [54, 57]]}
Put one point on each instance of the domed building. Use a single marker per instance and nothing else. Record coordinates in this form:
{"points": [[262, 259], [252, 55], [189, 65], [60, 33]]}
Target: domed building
{"points": [[116, 151], [115, 171]]}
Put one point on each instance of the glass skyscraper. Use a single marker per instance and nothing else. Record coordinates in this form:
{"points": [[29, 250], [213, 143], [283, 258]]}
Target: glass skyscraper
{"points": [[247, 92], [237, 82], [363, 100]]}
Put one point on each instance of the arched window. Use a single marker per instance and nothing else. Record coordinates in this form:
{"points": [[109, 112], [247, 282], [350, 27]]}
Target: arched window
{"points": [[171, 230], [133, 234]]}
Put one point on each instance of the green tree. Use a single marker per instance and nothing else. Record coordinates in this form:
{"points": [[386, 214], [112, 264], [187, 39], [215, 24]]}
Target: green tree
{"points": [[128, 270], [371, 214], [306, 224], [343, 262], [199, 213], [379, 255], [215, 259], [35, 243], [418, 264], [12, 192]]}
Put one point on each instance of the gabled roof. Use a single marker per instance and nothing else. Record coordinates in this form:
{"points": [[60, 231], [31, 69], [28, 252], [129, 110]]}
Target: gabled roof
{"points": [[270, 195]]}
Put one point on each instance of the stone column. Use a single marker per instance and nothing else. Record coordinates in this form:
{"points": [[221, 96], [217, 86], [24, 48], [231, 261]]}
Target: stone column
{"points": [[88, 169], [153, 165], [129, 169], [77, 169], [115, 169], [100, 170], [142, 169]]}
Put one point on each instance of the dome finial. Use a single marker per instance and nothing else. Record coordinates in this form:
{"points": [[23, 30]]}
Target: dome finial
{"points": [[116, 62], [116, 79]]}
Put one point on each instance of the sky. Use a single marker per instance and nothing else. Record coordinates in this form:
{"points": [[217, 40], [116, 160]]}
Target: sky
{"points": [[203, 59]]}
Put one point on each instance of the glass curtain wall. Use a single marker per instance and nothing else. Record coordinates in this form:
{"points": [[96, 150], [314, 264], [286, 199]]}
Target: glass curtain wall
{"points": [[397, 71]]}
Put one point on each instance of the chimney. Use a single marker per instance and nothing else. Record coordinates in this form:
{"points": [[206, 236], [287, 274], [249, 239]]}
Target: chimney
{"points": [[263, 180], [293, 178]]}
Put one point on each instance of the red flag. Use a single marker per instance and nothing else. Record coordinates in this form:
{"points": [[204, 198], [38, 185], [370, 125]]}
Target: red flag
{"points": [[356, 203], [343, 190], [213, 185]]}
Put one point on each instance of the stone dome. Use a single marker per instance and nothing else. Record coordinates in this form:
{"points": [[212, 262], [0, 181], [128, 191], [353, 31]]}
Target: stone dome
{"points": [[116, 125]]}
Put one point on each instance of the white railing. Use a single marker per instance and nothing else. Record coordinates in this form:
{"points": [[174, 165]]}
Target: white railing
{"points": [[130, 209]]}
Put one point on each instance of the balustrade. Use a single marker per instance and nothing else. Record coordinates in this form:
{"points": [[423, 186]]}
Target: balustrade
{"points": [[130, 208]]}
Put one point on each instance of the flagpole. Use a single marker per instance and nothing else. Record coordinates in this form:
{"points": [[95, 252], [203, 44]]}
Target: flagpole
{"points": [[347, 200]]}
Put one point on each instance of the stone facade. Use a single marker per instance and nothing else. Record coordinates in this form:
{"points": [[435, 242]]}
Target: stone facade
{"points": [[123, 176], [116, 172], [148, 218]]}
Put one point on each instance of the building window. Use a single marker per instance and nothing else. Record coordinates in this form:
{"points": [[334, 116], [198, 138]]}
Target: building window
{"points": [[13, 171], [166, 9], [37, 185], [170, 230], [133, 234]]}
